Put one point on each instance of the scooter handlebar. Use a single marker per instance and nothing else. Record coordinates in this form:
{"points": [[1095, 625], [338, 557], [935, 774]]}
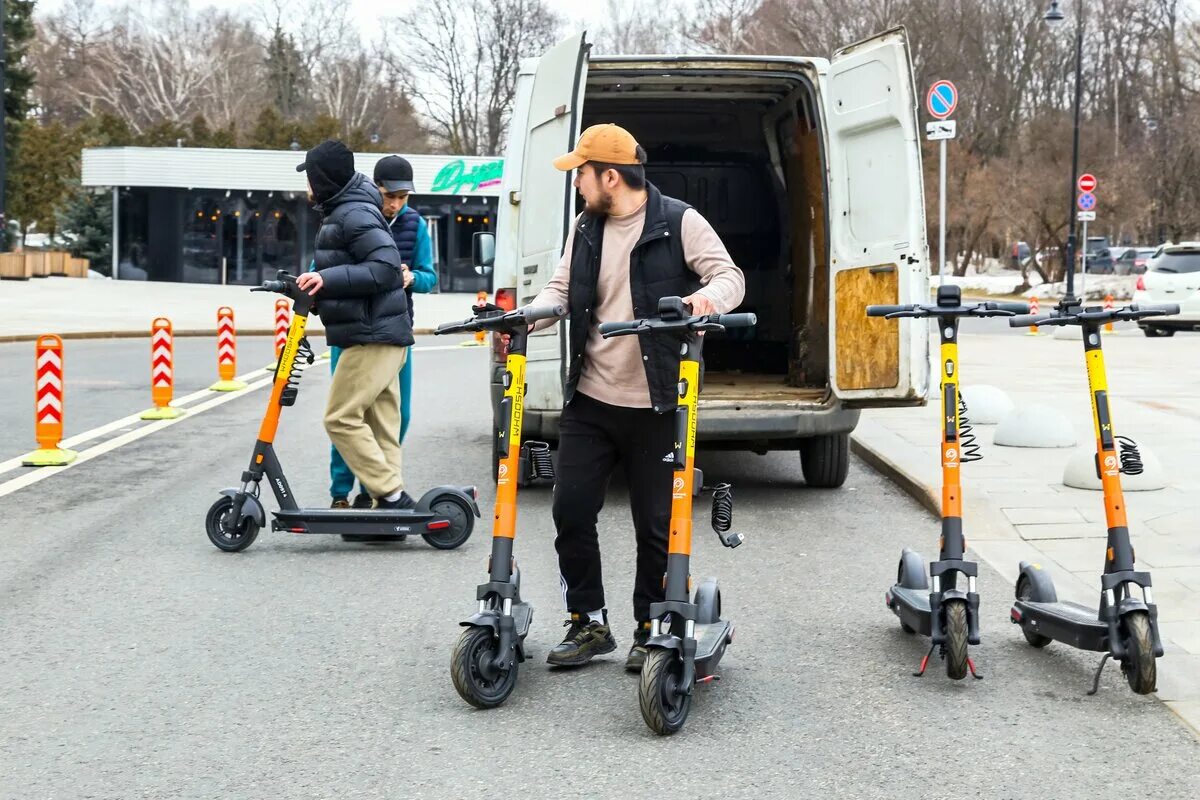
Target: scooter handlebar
{"points": [[1029, 320], [743, 320], [539, 313], [883, 311], [1010, 307], [502, 321]]}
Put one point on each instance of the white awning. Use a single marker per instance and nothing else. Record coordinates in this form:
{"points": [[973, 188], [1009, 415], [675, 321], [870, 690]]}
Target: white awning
{"points": [[272, 170]]}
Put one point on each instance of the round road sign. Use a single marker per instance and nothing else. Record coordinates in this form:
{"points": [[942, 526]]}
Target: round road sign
{"points": [[941, 100]]}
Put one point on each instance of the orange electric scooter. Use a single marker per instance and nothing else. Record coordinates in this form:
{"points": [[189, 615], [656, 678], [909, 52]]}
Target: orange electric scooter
{"points": [[488, 653]]}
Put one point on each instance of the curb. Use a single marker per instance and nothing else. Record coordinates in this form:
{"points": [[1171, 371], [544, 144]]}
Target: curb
{"points": [[196, 332], [923, 494]]}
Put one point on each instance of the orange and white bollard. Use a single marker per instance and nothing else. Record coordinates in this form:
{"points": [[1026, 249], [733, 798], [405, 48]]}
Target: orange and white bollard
{"points": [[1033, 309], [480, 336], [226, 353], [1108, 306], [283, 320], [162, 371], [48, 405]]}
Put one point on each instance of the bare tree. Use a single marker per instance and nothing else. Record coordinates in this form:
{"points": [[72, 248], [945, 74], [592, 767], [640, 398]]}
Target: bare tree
{"points": [[462, 71], [629, 29]]}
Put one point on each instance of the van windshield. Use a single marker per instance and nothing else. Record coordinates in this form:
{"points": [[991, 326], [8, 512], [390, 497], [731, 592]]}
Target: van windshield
{"points": [[1179, 261]]}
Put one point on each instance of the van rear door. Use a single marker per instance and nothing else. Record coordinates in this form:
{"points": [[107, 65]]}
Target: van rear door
{"points": [[878, 250], [546, 201]]}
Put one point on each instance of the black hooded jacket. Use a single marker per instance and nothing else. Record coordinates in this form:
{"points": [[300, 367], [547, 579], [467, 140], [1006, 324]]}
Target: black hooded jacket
{"points": [[362, 298]]}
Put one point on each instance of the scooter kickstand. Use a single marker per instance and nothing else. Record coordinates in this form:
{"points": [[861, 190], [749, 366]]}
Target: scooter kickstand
{"points": [[974, 673], [924, 662], [1096, 680]]}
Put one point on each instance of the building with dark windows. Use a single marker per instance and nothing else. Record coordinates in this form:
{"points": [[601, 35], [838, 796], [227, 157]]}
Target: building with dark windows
{"points": [[204, 215]]}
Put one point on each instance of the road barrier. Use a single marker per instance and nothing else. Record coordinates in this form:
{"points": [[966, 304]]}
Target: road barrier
{"points": [[162, 371], [49, 403], [226, 353]]}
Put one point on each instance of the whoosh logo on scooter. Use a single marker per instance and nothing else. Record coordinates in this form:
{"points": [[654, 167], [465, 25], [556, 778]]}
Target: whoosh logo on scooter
{"points": [[677, 489], [1110, 465]]}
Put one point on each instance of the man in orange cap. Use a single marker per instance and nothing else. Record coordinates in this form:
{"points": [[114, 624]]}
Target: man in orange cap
{"points": [[631, 246]]}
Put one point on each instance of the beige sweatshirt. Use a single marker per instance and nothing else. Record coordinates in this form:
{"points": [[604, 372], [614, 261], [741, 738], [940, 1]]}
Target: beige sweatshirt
{"points": [[613, 372]]}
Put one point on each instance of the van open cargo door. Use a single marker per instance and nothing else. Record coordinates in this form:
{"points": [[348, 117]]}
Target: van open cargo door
{"points": [[878, 250], [545, 196]]}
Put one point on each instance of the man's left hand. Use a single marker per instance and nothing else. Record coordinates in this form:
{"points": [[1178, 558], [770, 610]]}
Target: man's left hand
{"points": [[700, 304], [408, 276], [310, 282]]}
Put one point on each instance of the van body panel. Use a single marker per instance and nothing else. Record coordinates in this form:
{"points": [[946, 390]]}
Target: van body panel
{"points": [[879, 252]]}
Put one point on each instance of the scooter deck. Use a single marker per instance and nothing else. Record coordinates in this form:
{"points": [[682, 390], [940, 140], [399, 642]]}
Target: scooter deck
{"points": [[711, 640], [912, 607], [1067, 622], [397, 522]]}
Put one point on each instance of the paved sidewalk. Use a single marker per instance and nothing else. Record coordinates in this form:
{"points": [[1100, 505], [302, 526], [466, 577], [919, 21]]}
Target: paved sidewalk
{"points": [[1015, 504], [80, 307]]}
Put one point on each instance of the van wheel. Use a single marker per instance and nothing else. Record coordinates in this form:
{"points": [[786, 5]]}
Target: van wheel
{"points": [[825, 460]]}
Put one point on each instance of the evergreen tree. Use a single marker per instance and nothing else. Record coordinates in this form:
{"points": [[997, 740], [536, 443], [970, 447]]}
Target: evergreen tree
{"points": [[86, 222]]}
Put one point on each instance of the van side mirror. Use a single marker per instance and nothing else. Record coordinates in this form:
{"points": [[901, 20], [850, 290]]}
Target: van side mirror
{"points": [[483, 251]]}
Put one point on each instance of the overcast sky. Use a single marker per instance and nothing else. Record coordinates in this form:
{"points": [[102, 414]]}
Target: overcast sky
{"points": [[368, 13]]}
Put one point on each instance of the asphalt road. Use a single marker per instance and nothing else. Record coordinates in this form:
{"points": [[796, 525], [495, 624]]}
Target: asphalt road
{"points": [[138, 661]]}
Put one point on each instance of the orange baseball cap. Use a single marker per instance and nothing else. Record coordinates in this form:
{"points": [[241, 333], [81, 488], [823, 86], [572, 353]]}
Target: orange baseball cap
{"points": [[607, 143]]}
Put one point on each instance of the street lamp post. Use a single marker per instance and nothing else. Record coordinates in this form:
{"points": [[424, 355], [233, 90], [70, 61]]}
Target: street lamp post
{"points": [[1054, 18]]}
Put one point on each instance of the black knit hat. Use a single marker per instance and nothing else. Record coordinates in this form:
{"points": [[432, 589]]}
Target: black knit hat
{"points": [[330, 166]]}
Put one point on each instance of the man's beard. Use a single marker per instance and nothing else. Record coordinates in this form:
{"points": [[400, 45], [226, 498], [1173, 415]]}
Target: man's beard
{"points": [[602, 206]]}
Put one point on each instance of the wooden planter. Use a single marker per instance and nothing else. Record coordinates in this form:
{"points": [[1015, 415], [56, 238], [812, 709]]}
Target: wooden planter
{"points": [[77, 267], [56, 262], [35, 261], [14, 267]]}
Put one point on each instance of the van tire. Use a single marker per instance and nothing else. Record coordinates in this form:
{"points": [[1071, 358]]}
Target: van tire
{"points": [[825, 460]]}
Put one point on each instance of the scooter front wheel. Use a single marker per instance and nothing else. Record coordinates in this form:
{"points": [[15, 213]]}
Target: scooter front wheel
{"points": [[664, 701], [226, 533], [1139, 666], [956, 639], [474, 678]]}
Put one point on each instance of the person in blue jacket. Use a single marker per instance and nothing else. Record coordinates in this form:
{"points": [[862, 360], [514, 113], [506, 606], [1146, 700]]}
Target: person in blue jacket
{"points": [[394, 178]]}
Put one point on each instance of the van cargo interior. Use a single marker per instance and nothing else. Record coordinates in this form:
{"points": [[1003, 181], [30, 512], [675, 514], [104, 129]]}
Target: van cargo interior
{"points": [[741, 147]]}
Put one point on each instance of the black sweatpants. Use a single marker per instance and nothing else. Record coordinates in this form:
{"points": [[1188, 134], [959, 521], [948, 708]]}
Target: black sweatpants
{"points": [[593, 438]]}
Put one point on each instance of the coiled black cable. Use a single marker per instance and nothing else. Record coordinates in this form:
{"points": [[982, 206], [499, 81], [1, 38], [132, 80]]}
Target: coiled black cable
{"points": [[540, 464], [303, 352], [967, 447], [1131, 457], [722, 507]]}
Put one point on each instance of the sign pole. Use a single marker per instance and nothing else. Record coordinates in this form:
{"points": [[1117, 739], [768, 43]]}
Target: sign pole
{"points": [[1083, 273], [942, 215]]}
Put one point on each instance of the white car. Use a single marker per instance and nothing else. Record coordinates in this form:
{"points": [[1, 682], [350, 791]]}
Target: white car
{"points": [[1172, 276]]}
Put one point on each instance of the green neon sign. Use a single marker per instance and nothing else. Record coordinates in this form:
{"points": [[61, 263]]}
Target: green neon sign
{"points": [[452, 178]]}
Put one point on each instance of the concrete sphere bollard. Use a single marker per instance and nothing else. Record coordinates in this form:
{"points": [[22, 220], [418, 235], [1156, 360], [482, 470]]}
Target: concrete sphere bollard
{"points": [[1080, 472], [986, 405], [1034, 426], [1069, 332]]}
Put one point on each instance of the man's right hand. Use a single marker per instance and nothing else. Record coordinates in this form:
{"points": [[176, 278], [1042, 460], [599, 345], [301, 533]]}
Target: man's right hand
{"points": [[310, 279]]}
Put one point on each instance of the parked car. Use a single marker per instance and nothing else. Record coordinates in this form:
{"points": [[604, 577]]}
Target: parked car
{"points": [[1172, 276], [1102, 262], [1133, 260], [810, 171]]}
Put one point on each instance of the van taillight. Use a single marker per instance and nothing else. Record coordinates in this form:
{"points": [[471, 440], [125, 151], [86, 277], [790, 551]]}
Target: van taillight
{"points": [[1141, 284]]}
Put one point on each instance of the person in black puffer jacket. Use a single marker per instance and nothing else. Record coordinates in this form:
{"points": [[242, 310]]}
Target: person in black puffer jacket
{"points": [[359, 292]]}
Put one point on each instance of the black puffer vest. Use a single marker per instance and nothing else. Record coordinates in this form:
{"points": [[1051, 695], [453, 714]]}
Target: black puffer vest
{"points": [[657, 269]]}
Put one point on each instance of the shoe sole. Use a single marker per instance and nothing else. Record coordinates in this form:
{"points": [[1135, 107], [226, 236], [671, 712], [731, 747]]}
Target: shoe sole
{"points": [[579, 661]]}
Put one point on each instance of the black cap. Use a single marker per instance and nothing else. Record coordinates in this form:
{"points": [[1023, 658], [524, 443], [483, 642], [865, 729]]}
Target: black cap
{"points": [[394, 174], [330, 166]]}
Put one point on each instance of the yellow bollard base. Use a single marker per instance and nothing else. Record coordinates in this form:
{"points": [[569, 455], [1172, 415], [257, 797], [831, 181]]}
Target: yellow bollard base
{"points": [[1032, 333], [166, 412], [227, 386], [55, 457], [471, 343], [271, 367], [326, 354]]}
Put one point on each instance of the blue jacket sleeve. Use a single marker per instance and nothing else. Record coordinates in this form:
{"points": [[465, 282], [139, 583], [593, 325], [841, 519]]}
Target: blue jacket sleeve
{"points": [[424, 275]]}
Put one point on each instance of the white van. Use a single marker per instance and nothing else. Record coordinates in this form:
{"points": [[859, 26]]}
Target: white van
{"points": [[810, 171]]}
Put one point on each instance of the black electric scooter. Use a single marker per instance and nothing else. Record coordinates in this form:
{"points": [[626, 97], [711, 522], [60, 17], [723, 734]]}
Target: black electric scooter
{"points": [[444, 516], [687, 636], [947, 614], [487, 656], [1126, 625]]}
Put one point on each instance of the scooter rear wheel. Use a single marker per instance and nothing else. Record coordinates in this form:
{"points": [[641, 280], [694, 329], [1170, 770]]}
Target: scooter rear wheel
{"points": [[1025, 592], [956, 639], [664, 707], [1139, 666], [227, 534], [475, 648], [462, 522]]}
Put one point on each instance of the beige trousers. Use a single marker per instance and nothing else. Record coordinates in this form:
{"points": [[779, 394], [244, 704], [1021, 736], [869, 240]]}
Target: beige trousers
{"points": [[362, 417]]}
